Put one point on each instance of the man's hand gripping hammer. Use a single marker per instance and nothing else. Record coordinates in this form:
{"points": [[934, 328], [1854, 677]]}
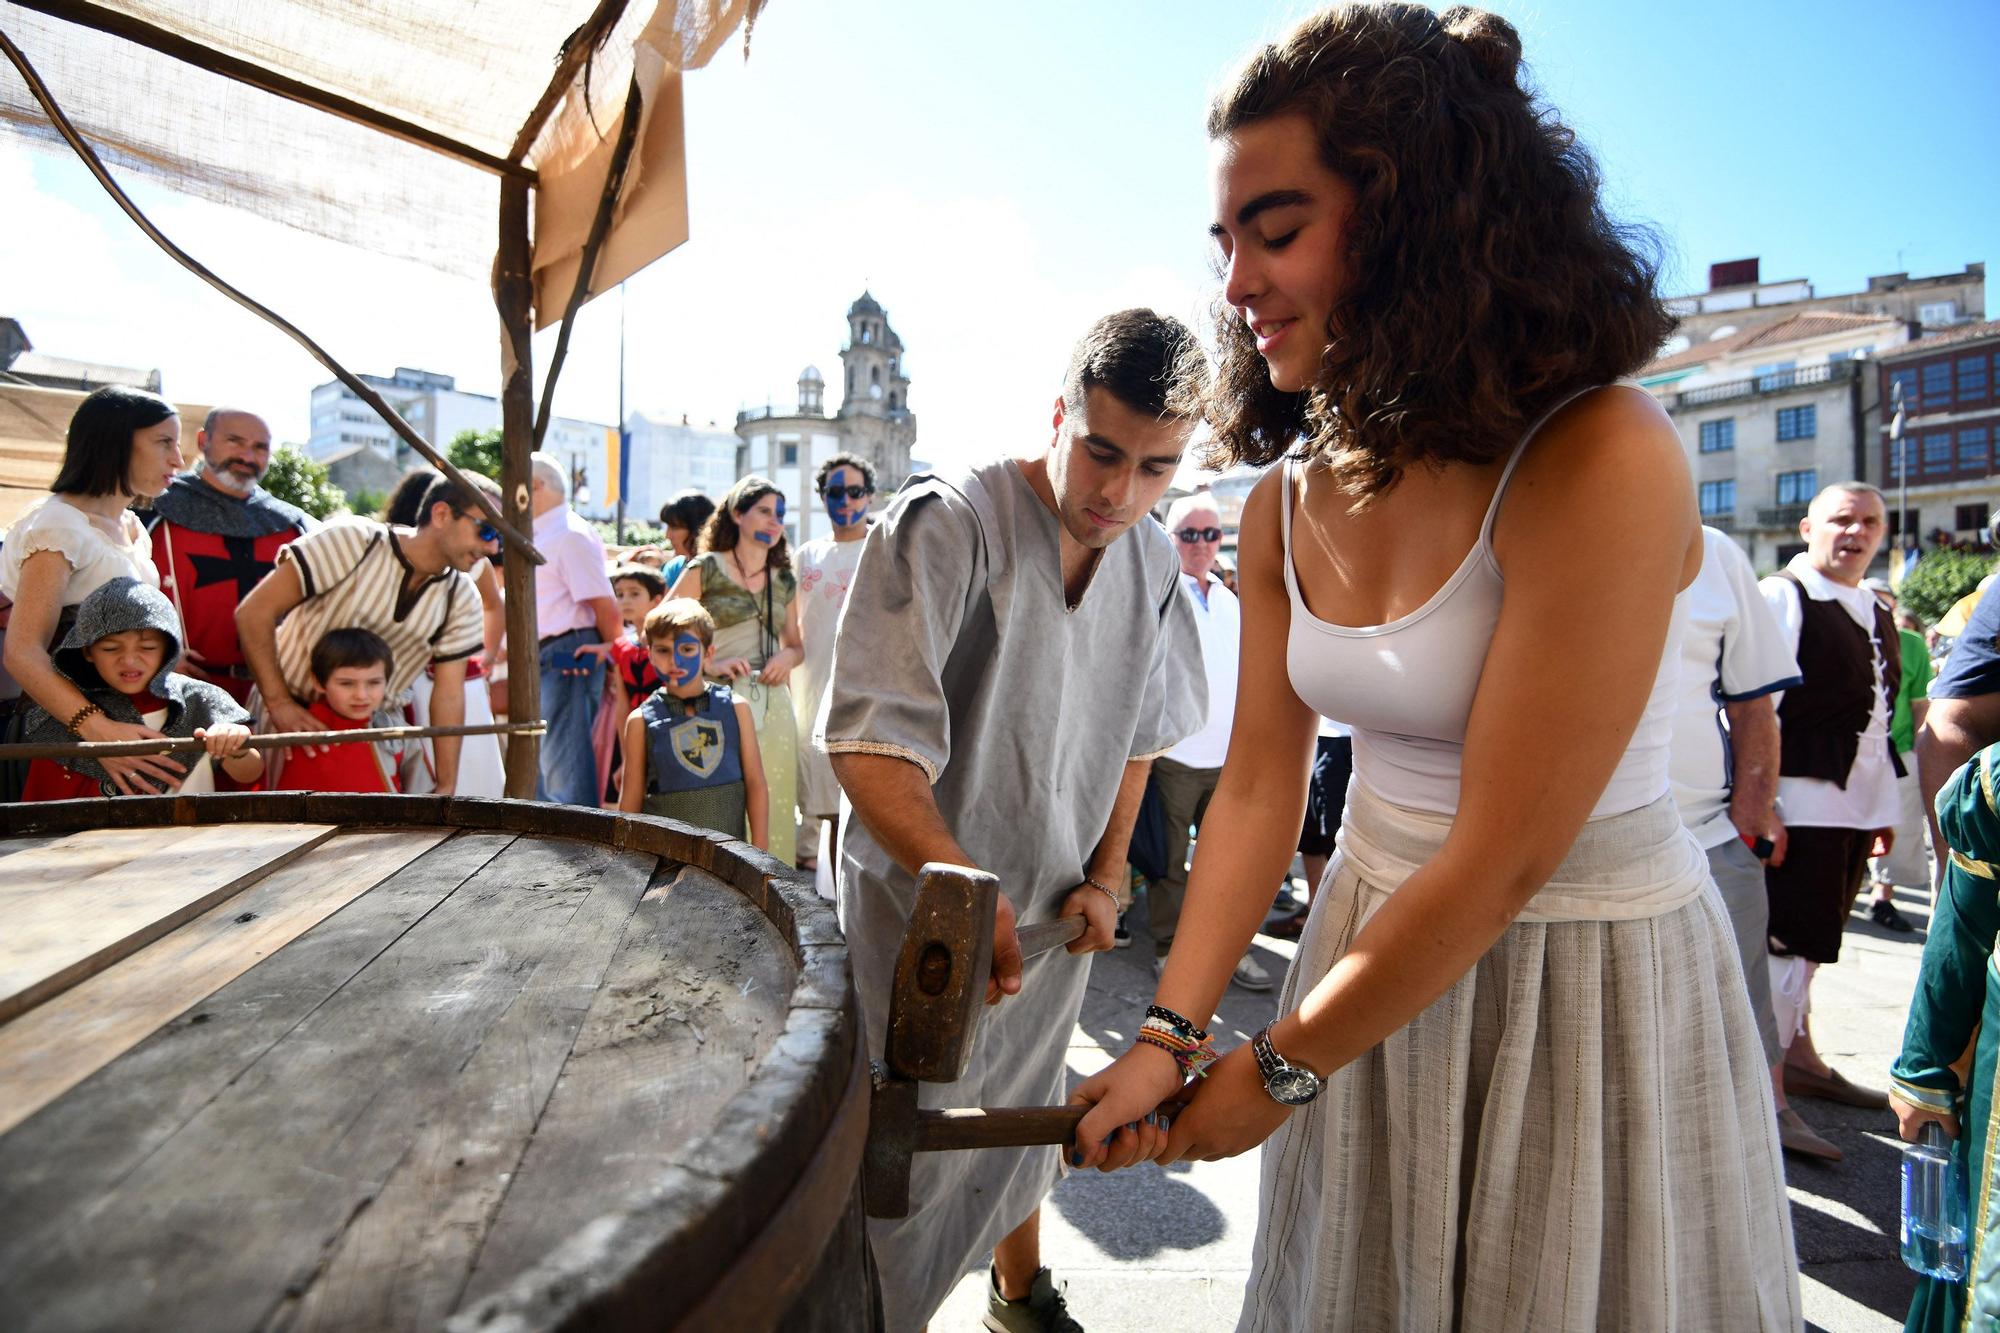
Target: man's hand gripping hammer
{"points": [[934, 1009]]}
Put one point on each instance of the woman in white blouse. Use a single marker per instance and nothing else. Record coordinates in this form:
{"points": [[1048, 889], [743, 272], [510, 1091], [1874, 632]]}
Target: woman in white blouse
{"points": [[124, 445]]}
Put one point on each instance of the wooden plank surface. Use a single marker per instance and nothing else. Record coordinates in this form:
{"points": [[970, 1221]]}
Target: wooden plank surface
{"points": [[59, 933], [250, 1197], [698, 992], [403, 1261], [11, 846], [56, 1045], [57, 1166], [70, 858]]}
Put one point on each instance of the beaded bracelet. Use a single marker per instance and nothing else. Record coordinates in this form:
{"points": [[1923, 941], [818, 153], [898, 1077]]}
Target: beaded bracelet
{"points": [[1194, 1058], [1106, 892], [77, 720], [1177, 1022]]}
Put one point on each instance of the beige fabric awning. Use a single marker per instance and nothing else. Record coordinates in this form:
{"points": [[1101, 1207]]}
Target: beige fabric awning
{"points": [[470, 72]]}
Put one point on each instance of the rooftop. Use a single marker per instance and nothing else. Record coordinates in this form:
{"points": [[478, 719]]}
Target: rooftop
{"points": [[1797, 328], [1963, 333]]}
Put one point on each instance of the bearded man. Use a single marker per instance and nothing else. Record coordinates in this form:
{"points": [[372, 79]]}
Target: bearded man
{"points": [[216, 534]]}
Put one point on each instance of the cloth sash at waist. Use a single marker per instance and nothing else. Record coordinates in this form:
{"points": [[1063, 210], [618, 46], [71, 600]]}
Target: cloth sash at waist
{"points": [[1626, 867]]}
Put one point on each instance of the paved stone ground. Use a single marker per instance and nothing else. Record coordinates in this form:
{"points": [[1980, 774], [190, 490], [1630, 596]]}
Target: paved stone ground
{"points": [[1148, 1249]]}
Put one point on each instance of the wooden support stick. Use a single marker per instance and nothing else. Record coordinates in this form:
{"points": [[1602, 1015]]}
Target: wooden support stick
{"points": [[513, 300], [276, 740]]}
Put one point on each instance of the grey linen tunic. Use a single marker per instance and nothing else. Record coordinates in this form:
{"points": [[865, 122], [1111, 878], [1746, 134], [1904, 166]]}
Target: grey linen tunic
{"points": [[956, 652]]}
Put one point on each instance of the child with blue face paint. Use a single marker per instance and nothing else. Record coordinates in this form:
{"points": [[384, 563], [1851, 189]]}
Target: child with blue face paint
{"points": [[690, 749]]}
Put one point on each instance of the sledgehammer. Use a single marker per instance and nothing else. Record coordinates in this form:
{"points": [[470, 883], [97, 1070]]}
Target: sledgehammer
{"points": [[934, 1009]]}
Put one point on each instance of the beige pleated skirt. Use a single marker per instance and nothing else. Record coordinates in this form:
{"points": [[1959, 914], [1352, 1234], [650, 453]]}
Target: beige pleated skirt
{"points": [[1578, 1135]]}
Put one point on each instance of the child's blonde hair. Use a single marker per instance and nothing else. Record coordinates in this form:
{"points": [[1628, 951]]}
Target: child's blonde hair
{"points": [[676, 614]]}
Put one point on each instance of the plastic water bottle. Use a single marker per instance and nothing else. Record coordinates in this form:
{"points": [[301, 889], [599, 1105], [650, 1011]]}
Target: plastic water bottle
{"points": [[1933, 1207]]}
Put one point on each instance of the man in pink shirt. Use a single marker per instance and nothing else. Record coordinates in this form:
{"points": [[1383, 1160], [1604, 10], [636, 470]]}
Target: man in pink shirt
{"points": [[576, 615]]}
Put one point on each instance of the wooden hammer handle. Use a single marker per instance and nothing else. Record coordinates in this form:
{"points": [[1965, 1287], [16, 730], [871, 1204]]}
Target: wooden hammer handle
{"points": [[1046, 935], [996, 1127]]}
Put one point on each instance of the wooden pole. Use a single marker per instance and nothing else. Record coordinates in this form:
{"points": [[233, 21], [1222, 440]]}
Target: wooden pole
{"points": [[276, 740], [513, 298]]}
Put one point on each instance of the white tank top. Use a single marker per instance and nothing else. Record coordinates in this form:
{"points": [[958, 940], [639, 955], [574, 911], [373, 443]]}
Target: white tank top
{"points": [[1406, 687]]}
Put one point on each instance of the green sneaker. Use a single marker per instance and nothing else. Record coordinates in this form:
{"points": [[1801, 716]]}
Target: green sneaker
{"points": [[1043, 1312]]}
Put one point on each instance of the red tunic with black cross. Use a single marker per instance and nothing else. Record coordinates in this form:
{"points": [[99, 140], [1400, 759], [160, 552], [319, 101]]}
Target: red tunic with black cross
{"points": [[211, 550]]}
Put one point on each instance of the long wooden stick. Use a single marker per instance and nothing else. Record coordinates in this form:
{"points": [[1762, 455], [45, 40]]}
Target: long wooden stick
{"points": [[81, 146], [276, 740]]}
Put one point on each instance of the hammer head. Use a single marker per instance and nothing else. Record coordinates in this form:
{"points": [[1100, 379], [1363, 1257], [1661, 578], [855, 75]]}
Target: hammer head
{"points": [[941, 974]]}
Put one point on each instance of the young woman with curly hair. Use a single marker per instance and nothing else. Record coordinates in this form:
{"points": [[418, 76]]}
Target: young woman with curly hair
{"points": [[1516, 1083], [743, 578]]}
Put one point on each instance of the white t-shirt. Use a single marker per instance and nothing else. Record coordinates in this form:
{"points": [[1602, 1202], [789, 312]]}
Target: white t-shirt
{"points": [[825, 569], [95, 553], [1869, 799], [1220, 619], [1733, 650]]}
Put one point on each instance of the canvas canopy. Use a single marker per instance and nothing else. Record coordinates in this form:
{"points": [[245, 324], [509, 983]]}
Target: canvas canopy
{"points": [[455, 82]]}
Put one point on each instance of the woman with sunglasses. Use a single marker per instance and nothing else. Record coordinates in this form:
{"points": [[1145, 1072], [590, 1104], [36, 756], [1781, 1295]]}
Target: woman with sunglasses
{"points": [[1515, 1082], [743, 578]]}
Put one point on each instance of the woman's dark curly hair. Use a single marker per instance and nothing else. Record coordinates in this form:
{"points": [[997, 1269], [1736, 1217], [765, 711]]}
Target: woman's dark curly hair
{"points": [[1485, 280], [721, 532]]}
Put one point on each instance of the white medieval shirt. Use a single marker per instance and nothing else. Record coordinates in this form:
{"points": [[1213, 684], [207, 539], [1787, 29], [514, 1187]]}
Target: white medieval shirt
{"points": [[958, 653]]}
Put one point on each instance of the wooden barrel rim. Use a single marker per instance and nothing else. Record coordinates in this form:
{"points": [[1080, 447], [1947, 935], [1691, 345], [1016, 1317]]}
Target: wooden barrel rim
{"points": [[779, 1166]]}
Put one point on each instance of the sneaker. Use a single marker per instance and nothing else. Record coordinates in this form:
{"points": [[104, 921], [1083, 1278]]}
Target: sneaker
{"points": [[1883, 913], [1250, 975], [1121, 938], [1288, 927], [1159, 966], [1044, 1310]]}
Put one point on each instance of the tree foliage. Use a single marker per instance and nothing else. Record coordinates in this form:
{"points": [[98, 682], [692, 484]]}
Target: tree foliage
{"points": [[1940, 579], [298, 479], [476, 451]]}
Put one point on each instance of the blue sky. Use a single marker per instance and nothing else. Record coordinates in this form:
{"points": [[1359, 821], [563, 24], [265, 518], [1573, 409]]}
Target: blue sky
{"points": [[999, 175]]}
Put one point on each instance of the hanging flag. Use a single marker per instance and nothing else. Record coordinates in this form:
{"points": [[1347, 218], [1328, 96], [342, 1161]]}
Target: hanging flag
{"points": [[614, 475]]}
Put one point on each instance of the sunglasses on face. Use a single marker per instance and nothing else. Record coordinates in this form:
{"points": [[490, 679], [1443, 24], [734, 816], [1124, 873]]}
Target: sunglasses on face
{"points": [[489, 533], [851, 492], [1200, 534]]}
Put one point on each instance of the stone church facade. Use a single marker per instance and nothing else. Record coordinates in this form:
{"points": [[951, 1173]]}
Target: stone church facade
{"points": [[874, 421]]}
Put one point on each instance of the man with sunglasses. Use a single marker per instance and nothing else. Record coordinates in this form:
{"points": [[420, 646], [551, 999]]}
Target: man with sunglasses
{"points": [[1186, 775], [825, 566], [410, 586]]}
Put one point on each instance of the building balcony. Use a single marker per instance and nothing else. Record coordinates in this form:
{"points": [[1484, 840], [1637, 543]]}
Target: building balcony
{"points": [[769, 411], [1778, 381], [1780, 516], [1720, 522]]}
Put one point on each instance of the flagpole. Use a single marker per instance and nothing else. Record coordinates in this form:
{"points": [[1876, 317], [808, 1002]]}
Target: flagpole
{"points": [[624, 439]]}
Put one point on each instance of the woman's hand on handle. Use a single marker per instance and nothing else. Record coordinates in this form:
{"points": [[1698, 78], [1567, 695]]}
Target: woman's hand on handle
{"points": [[134, 775], [1229, 1114], [1124, 1124]]}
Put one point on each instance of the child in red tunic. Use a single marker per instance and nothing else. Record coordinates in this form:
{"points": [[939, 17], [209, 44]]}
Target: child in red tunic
{"points": [[350, 674]]}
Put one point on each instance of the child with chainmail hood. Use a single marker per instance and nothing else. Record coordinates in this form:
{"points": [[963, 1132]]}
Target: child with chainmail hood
{"points": [[121, 653]]}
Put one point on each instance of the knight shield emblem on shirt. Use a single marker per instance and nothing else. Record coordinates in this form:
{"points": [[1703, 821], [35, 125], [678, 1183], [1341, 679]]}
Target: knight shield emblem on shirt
{"points": [[698, 745]]}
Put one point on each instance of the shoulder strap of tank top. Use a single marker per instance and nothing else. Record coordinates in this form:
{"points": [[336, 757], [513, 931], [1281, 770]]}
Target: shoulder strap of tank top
{"points": [[1514, 460], [1285, 525]]}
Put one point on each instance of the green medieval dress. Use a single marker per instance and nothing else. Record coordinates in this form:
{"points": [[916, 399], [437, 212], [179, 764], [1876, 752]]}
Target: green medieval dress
{"points": [[748, 625], [1958, 993]]}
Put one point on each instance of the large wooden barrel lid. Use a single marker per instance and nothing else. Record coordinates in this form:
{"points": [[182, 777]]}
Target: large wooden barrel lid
{"points": [[305, 1061]]}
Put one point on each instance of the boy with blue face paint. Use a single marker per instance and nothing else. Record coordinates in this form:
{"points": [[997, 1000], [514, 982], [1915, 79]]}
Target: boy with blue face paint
{"points": [[846, 485], [691, 748]]}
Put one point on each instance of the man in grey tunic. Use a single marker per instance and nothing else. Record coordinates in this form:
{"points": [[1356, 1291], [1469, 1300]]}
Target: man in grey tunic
{"points": [[1014, 653]]}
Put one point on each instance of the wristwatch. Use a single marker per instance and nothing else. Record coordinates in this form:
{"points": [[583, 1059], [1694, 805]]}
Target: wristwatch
{"points": [[1288, 1084]]}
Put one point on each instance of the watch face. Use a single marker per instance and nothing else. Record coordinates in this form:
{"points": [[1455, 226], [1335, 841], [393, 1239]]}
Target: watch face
{"points": [[1292, 1086]]}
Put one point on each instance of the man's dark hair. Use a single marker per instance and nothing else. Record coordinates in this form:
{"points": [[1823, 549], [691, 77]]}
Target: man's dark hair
{"points": [[351, 647], [689, 510], [405, 506], [445, 491], [855, 461], [97, 457], [1148, 362]]}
